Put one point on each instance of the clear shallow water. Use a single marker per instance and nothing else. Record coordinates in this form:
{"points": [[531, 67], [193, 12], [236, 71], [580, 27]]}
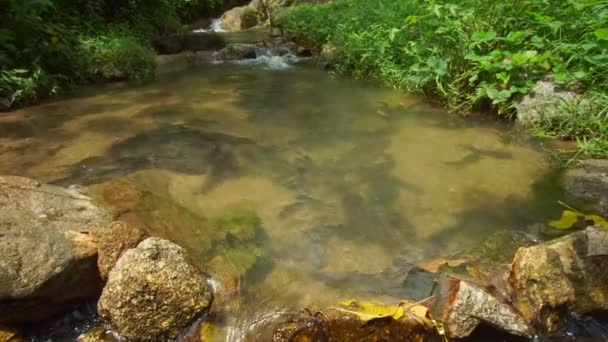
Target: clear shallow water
{"points": [[290, 187]]}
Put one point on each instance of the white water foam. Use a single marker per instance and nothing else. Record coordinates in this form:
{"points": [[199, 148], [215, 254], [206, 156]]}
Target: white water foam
{"points": [[215, 26]]}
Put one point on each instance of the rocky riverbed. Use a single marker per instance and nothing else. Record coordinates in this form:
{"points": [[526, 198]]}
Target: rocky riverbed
{"points": [[61, 249]]}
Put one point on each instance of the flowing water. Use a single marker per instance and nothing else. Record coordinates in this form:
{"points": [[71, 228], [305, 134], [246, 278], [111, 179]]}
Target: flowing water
{"points": [[291, 187]]}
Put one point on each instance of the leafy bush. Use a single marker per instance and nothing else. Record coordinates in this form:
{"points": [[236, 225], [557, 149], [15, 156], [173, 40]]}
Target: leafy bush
{"points": [[119, 56], [469, 54], [50, 45]]}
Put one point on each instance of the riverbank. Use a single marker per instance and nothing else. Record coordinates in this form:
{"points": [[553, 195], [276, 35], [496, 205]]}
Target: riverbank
{"points": [[474, 55]]}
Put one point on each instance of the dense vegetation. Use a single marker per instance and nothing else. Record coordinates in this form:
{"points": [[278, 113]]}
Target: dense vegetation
{"points": [[50, 45], [474, 54]]}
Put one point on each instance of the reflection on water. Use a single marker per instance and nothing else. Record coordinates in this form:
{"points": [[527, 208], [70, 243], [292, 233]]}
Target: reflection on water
{"points": [[290, 187]]}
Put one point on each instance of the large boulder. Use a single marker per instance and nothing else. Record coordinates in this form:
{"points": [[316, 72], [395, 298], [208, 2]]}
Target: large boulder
{"points": [[239, 18], [589, 182], [48, 246], [557, 276], [153, 292], [543, 102], [115, 240]]}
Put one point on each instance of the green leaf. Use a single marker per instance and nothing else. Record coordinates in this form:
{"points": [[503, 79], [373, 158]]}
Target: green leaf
{"points": [[483, 36], [602, 33], [516, 36]]}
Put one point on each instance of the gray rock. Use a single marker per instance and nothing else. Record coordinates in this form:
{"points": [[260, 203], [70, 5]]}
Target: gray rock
{"points": [[543, 102], [49, 249], [153, 292], [470, 305], [589, 182]]}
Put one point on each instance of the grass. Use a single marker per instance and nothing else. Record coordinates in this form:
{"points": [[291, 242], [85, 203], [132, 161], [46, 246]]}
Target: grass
{"points": [[473, 54]]}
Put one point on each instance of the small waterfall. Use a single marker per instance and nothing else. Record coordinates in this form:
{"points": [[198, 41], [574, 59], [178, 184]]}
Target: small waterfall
{"points": [[214, 26]]}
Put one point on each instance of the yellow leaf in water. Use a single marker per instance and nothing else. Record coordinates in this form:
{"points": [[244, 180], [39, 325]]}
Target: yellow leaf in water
{"points": [[568, 220], [367, 310]]}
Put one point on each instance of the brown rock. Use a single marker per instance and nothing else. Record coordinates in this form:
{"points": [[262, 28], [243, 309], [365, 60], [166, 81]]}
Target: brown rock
{"points": [[239, 18], [9, 334], [115, 240], [153, 292], [337, 325], [558, 275]]}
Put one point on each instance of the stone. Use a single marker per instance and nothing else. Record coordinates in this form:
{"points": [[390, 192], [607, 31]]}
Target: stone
{"points": [[188, 41], [5, 104], [588, 182], [239, 18], [153, 292], [166, 64], [470, 305], [8, 334], [327, 56], [338, 325], [118, 237], [97, 334], [543, 102], [48, 243], [555, 276], [236, 51], [597, 241]]}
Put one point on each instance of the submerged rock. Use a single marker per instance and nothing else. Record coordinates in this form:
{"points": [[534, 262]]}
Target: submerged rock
{"points": [[236, 51], [470, 305], [114, 241], [49, 249], [153, 292], [543, 102], [589, 182], [555, 276], [334, 324], [188, 41]]}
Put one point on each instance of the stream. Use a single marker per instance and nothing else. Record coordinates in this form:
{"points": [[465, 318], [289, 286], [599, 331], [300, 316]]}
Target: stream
{"points": [[290, 186]]}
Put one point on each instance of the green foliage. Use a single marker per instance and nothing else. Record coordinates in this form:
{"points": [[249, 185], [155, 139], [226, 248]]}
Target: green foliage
{"points": [[469, 54], [586, 122], [114, 55], [50, 45]]}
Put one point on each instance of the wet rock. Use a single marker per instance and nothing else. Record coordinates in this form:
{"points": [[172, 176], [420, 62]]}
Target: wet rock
{"points": [[338, 325], [589, 182], [9, 334], [558, 275], [236, 51], [328, 55], [5, 104], [239, 18], [171, 63], [49, 249], [543, 102], [188, 41], [97, 334], [597, 241], [153, 292], [115, 240], [469, 305]]}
